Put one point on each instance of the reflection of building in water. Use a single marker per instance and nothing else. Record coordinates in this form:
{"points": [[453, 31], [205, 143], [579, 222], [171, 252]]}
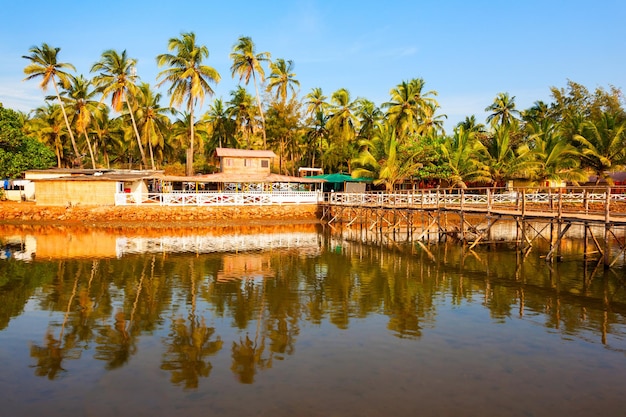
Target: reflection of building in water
{"points": [[223, 243], [22, 248], [254, 266], [66, 243]]}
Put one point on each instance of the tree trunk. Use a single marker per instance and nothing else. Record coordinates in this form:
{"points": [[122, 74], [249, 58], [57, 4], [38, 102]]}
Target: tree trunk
{"points": [[67, 123], [132, 118], [258, 101], [189, 162]]}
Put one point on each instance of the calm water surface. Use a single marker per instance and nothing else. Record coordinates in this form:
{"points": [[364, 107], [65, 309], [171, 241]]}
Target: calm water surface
{"points": [[295, 322]]}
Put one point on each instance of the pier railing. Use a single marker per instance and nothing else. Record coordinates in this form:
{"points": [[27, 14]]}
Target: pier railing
{"points": [[591, 200]]}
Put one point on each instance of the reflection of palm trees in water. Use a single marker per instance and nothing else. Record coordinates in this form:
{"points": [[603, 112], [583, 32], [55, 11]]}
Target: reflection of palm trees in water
{"points": [[189, 344], [50, 357], [116, 345], [247, 354]]}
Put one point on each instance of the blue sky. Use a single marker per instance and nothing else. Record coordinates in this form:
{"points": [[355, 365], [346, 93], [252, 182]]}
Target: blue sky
{"points": [[466, 51]]}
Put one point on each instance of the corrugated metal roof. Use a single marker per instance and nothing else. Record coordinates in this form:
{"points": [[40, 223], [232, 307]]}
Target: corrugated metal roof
{"points": [[244, 153], [221, 177]]}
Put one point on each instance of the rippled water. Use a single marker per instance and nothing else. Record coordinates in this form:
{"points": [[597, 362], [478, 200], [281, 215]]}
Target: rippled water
{"points": [[296, 322]]}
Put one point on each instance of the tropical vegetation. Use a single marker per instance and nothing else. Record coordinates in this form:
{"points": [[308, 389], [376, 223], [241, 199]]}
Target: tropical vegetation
{"points": [[578, 134]]}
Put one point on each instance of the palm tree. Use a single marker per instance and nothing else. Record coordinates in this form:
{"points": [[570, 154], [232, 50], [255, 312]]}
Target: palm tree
{"points": [[152, 119], [189, 79], [47, 126], [502, 110], [109, 136], [461, 153], [117, 78], [220, 124], [430, 124], [247, 63], [603, 145], [44, 64], [343, 121], [558, 160], [384, 159], [503, 160], [282, 78], [369, 115], [316, 102], [315, 136], [469, 124], [79, 98], [241, 110], [184, 129], [406, 107]]}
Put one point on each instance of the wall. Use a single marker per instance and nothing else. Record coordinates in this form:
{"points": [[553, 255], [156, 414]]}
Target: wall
{"points": [[63, 193]]}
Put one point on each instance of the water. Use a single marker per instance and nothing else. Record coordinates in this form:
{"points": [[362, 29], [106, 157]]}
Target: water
{"points": [[291, 321]]}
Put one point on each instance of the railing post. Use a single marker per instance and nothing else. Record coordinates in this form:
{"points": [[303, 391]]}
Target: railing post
{"points": [[523, 202], [488, 200], [607, 205]]}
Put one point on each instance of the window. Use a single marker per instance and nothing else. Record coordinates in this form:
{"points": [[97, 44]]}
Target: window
{"points": [[265, 163]]}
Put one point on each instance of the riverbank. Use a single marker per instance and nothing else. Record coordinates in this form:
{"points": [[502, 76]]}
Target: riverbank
{"points": [[156, 216]]}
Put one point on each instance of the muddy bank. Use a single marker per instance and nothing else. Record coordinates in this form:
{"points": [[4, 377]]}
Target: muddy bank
{"points": [[155, 217]]}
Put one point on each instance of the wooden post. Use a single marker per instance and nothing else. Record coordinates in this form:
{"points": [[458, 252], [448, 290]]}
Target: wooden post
{"points": [[607, 227], [462, 215]]}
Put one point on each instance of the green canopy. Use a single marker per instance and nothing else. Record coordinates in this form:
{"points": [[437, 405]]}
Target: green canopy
{"points": [[339, 178]]}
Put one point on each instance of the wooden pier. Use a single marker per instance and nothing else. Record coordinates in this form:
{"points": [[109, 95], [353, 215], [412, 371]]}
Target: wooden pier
{"points": [[596, 215]]}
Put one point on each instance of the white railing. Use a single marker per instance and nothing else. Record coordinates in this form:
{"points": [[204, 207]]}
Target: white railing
{"points": [[573, 200], [210, 198]]}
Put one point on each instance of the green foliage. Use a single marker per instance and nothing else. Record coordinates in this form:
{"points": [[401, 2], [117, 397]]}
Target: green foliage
{"points": [[18, 152], [10, 128]]}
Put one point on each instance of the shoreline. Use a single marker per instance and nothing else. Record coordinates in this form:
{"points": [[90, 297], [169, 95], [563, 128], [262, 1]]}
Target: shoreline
{"points": [[157, 217]]}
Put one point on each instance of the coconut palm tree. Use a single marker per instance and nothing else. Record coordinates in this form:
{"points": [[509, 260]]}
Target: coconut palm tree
{"points": [[343, 121], [152, 119], [47, 126], [469, 124], [557, 159], [117, 78], [384, 159], [503, 160], [185, 128], [603, 145], [246, 64], [406, 107], [503, 110], [108, 136], [369, 115], [316, 135], [316, 102], [189, 79], [79, 98], [241, 110], [220, 125], [44, 64], [282, 78], [461, 152]]}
